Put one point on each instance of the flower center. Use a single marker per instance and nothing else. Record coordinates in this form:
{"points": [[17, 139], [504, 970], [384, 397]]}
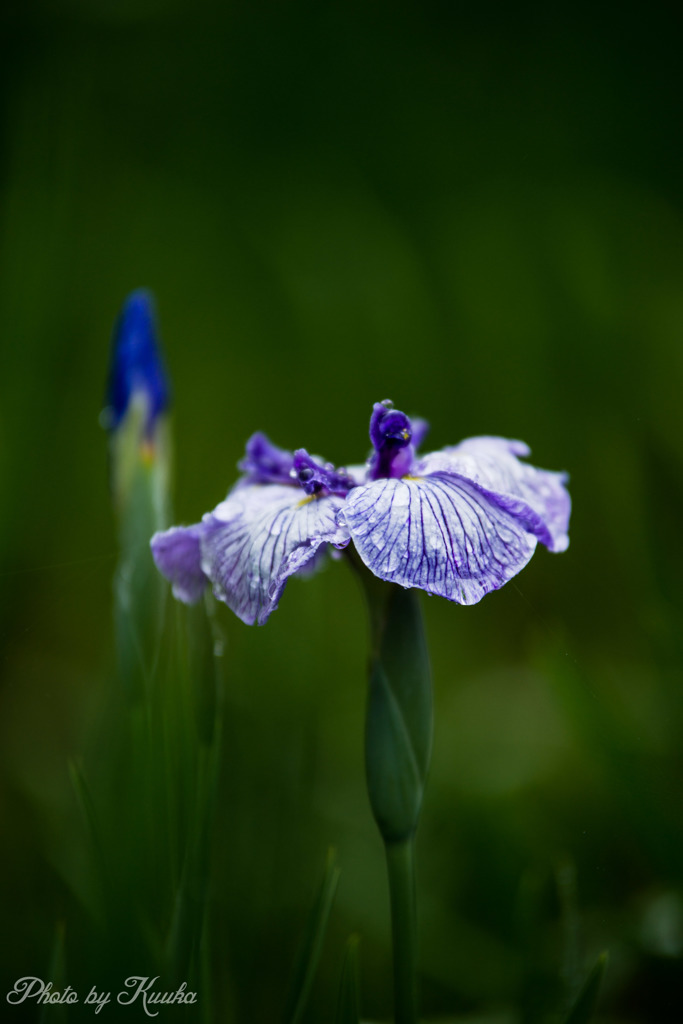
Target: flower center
{"points": [[319, 478], [391, 433]]}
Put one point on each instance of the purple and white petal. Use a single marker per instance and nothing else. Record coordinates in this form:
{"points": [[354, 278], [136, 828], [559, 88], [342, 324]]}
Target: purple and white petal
{"points": [[260, 536], [440, 533], [264, 462], [177, 554], [493, 464]]}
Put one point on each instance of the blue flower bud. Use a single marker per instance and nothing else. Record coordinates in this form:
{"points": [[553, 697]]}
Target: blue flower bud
{"points": [[136, 368]]}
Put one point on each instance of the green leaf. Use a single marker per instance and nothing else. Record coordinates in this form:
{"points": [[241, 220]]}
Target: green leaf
{"points": [[583, 1009], [348, 1006], [565, 882], [92, 824], [309, 956], [56, 1013]]}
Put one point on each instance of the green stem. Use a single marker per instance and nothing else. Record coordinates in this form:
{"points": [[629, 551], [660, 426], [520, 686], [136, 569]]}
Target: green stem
{"points": [[398, 739], [401, 870]]}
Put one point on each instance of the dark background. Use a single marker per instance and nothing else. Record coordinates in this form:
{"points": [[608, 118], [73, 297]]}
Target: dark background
{"points": [[473, 210]]}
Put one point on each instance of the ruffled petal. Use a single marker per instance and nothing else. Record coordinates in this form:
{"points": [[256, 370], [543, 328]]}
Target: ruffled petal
{"points": [[259, 537], [440, 533], [264, 462], [493, 464], [177, 554]]}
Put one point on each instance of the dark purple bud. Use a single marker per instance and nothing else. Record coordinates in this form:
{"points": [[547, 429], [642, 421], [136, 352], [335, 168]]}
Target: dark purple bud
{"points": [[136, 365]]}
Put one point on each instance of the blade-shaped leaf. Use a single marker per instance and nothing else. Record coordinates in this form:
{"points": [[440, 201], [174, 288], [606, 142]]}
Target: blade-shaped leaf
{"points": [[92, 824], [307, 962], [583, 1009], [56, 1013], [348, 1006]]}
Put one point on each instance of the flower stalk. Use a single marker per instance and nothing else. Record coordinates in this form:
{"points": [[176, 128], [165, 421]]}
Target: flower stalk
{"points": [[401, 872], [139, 464], [167, 757], [140, 474], [398, 740]]}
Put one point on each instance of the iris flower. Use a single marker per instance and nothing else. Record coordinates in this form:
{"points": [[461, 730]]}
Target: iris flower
{"points": [[457, 523]]}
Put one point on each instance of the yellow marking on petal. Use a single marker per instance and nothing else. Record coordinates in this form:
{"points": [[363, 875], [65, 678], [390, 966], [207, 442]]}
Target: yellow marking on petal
{"points": [[408, 477], [305, 501]]}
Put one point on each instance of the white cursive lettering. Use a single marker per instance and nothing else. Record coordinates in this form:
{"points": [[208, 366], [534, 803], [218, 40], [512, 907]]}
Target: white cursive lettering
{"points": [[101, 1000], [143, 987], [25, 988], [140, 986], [35, 988]]}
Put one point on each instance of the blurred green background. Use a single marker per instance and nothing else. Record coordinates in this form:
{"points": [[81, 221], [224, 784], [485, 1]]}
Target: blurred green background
{"points": [[476, 212]]}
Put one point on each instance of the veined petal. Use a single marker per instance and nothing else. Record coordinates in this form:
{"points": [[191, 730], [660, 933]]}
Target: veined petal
{"points": [[177, 553], [493, 464], [440, 533], [258, 537]]}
